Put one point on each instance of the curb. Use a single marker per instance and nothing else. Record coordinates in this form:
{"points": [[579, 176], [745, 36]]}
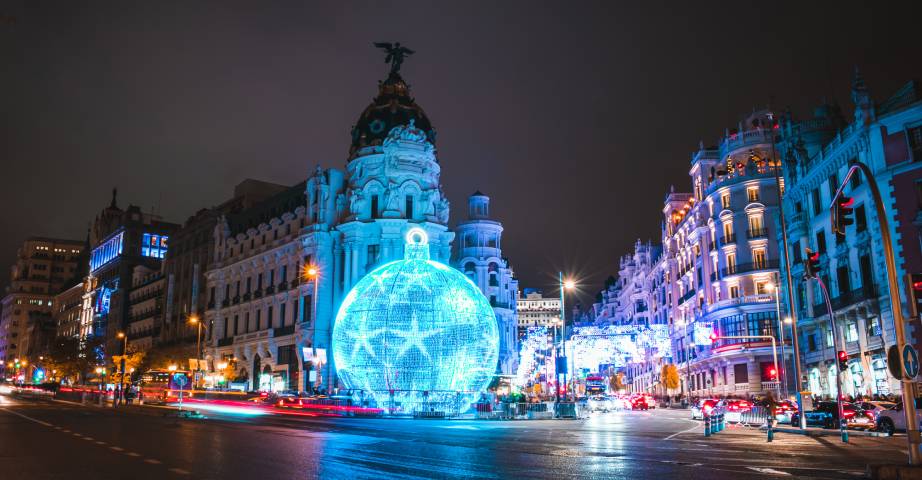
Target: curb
{"points": [[828, 433]]}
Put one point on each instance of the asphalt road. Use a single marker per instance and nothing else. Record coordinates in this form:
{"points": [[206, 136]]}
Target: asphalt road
{"points": [[53, 440]]}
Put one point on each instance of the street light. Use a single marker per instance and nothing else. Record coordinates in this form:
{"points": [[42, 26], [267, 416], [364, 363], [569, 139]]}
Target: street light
{"points": [[124, 338], [171, 368], [312, 272], [568, 284], [198, 348]]}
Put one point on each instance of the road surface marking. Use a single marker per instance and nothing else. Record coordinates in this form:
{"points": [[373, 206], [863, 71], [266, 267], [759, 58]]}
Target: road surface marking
{"points": [[670, 437], [100, 443], [26, 417], [89, 439], [771, 471], [180, 471], [152, 461], [132, 454], [117, 449]]}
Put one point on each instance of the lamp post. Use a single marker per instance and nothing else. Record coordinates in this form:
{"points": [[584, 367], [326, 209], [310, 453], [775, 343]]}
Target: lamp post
{"points": [[198, 345], [312, 272], [564, 285], [124, 338], [784, 371]]}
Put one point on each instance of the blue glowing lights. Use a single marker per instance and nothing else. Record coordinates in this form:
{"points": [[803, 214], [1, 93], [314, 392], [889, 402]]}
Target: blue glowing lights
{"points": [[416, 335]]}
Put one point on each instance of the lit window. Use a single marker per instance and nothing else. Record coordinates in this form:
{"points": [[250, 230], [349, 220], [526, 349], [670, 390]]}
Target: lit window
{"points": [[154, 245]]}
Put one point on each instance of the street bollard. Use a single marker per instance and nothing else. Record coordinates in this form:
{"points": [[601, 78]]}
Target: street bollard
{"points": [[707, 425], [720, 422], [771, 432], [844, 430]]}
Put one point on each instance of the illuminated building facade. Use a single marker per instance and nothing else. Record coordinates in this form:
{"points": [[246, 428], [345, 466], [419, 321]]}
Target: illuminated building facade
{"points": [[42, 269], [480, 256], [888, 138], [270, 320], [120, 241]]}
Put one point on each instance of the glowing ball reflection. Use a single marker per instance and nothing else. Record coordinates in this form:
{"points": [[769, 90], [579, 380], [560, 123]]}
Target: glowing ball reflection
{"points": [[416, 335]]}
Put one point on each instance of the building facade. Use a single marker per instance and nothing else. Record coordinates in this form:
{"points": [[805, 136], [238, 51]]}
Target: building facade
{"points": [[281, 269], [536, 310], [817, 151], [480, 256], [42, 269]]}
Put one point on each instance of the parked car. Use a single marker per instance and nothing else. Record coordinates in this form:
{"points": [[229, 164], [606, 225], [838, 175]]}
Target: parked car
{"points": [[704, 407], [894, 419], [826, 415]]}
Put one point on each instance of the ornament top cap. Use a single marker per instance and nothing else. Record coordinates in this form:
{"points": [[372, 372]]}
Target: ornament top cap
{"points": [[417, 246]]}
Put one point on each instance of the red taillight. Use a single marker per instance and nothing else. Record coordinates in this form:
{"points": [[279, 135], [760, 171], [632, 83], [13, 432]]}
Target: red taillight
{"points": [[870, 415], [848, 413]]}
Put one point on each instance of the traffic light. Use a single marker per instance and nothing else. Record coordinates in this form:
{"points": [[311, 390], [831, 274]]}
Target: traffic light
{"points": [[841, 215], [843, 360], [915, 293], [811, 263], [772, 373], [713, 337]]}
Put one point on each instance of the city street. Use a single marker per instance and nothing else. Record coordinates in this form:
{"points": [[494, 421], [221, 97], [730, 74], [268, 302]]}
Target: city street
{"points": [[45, 439]]}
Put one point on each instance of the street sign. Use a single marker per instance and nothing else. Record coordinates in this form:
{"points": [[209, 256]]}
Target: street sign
{"points": [[894, 363], [910, 361], [180, 379]]}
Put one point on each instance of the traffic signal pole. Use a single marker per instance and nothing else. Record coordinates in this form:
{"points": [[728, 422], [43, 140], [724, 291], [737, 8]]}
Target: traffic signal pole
{"points": [[909, 403], [835, 346]]}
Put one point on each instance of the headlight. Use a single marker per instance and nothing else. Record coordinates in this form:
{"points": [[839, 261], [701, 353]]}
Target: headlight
{"points": [[5, 389]]}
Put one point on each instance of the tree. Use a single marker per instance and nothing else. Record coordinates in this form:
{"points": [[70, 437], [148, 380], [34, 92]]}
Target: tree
{"points": [[72, 358], [669, 376], [616, 382]]}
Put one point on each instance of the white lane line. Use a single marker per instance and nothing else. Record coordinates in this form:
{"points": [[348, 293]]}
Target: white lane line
{"points": [[89, 439], [152, 461], [117, 449], [27, 417], [670, 437], [180, 471], [100, 443], [132, 454], [770, 471]]}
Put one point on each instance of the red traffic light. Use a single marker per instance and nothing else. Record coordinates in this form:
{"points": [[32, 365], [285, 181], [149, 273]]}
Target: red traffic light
{"points": [[842, 356], [772, 373], [713, 337]]}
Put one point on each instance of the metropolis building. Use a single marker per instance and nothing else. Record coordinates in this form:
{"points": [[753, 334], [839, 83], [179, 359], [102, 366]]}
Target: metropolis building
{"points": [[281, 269]]}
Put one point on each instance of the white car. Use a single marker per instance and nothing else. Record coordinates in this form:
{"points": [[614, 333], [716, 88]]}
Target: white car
{"points": [[600, 403], [894, 419]]}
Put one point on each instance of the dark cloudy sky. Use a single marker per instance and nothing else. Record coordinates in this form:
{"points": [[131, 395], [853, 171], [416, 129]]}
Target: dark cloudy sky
{"points": [[575, 117]]}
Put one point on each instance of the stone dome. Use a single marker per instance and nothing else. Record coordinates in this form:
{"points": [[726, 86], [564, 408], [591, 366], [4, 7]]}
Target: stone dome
{"points": [[415, 334], [392, 107]]}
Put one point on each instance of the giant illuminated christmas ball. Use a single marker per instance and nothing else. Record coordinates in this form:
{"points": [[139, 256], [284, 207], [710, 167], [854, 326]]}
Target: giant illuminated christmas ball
{"points": [[416, 335]]}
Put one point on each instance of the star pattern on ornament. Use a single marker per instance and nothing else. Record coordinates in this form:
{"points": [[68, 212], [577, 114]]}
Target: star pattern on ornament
{"points": [[362, 337], [414, 337]]}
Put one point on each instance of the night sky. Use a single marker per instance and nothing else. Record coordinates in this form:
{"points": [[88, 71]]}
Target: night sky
{"points": [[574, 118]]}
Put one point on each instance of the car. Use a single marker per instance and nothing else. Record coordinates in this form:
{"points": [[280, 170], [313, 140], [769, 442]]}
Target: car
{"points": [[784, 410], [826, 415], [894, 419], [599, 403], [875, 406], [704, 407], [642, 402]]}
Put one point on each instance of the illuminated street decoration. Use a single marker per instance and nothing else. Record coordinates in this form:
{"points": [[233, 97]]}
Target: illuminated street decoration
{"points": [[617, 345], [532, 350], [416, 335]]}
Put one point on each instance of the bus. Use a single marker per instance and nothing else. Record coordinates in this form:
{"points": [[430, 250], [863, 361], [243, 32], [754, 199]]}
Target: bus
{"points": [[163, 386], [595, 385]]}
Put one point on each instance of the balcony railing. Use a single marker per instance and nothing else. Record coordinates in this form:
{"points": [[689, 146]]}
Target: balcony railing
{"points": [[748, 267], [247, 296], [729, 238], [758, 233], [225, 303], [270, 289], [258, 293], [211, 305], [236, 300], [223, 342], [688, 294], [283, 286], [282, 331]]}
